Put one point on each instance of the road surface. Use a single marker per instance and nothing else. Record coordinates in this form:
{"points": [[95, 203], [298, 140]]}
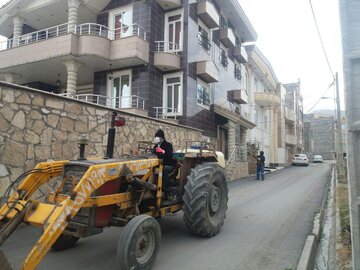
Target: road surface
{"points": [[265, 228]]}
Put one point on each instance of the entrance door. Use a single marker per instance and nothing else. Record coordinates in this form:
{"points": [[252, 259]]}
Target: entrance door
{"points": [[223, 141], [121, 90]]}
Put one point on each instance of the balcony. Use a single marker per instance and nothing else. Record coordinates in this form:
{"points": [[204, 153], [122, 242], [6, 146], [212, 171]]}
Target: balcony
{"points": [[169, 4], [166, 57], [227, 37], [207, 71], [239, 96], [93, 44], [166, 113], [208, 14], [267, 99], [240, 54], [290, 115], [290, 139], [133, 104]]}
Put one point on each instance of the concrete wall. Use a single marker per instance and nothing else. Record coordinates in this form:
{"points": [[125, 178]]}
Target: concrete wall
{"points": [[36, 126]]}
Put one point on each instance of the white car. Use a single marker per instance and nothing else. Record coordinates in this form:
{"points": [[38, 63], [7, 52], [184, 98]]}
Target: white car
{"points": [[300, 159], [317, 158]]}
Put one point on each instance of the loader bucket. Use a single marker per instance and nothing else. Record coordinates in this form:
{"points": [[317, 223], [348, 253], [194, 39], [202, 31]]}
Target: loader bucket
{"points": [[4, 263]]}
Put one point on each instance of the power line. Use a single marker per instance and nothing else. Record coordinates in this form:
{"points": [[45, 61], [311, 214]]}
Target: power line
{"points": [[322, 43]]}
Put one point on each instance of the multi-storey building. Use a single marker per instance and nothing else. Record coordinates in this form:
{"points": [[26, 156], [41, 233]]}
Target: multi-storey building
{"points": [[294, 129], [180, 60], [319, 135], [265, 104]]}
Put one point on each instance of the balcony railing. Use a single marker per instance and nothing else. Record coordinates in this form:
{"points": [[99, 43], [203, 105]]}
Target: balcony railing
{"points": [[165, 46], [83, 29], [165, 112], [204, 41], [126, 102]]}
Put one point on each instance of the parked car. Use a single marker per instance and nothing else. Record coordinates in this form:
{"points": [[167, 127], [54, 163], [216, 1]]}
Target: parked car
{"points": [[317, 158], [300, 159]]}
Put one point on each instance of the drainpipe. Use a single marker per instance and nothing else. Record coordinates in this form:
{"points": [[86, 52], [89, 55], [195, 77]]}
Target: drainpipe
{"points": [[72, 67], [18, 26], [73, 15]]}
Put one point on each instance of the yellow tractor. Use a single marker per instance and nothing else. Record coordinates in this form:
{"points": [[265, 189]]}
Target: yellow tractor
{"points": [[95, 193]]}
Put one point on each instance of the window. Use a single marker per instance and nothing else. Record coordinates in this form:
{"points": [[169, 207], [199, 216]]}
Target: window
{"points": [[237, 71], [237, 41], [120, 90], [172, 94], [265, 122], [122, 21], [174, 30], [223, 23], [256, 84], [203, 94], [223, 58], [204, 37]]}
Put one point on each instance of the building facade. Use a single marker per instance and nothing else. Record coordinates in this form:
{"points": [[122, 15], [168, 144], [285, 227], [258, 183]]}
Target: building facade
{"points": [[169, 59], [294, 129]]}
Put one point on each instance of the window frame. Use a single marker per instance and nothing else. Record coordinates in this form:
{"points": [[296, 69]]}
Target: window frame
{"points": [[114, 12], [181, 93], [110, 83], [166, 27], [207, 87], [202, 25]]}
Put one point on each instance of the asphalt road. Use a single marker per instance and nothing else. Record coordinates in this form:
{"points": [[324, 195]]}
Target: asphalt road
{"points": [[266, 227]]}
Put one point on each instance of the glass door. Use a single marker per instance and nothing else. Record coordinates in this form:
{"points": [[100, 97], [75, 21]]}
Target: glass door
{"points": [[172, 96], [123, 23], [121, 91], [173, 32]]}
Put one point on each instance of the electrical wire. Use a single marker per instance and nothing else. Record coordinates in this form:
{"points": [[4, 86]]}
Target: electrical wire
{"points": [[322, 43]]}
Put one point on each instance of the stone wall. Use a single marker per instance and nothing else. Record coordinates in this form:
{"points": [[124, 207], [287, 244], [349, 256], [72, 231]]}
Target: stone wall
{"points": [[37, 126]]}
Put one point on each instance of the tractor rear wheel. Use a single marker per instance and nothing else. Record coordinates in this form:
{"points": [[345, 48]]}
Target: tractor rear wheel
{"points": [[64, 242], [205, 199], [139, 244]]}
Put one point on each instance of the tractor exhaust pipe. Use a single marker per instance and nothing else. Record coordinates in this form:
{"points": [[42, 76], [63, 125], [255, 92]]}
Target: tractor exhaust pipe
{"points": [[111, 137]]}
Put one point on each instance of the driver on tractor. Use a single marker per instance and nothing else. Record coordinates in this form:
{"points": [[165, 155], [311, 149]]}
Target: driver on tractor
{"points": [[164, 150]]}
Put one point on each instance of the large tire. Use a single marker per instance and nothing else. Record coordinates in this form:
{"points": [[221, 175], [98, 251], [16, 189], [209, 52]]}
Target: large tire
{"points": [[205, 199], [139, 244], [4, 264], [64, 242]]}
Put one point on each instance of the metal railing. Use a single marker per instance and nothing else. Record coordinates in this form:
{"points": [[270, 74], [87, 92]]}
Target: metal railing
{"points": [[37, 36], [237, 154], [165, 112], [165, 46], [83, 29], [125, 102], [204, 41]]}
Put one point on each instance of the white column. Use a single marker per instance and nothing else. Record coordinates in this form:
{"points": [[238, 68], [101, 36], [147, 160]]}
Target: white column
{"points": [[18, 26], [72, 67], [73, 14]]}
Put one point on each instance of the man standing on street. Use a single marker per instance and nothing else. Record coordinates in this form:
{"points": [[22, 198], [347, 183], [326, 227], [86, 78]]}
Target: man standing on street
{"points": [[260, 164]]}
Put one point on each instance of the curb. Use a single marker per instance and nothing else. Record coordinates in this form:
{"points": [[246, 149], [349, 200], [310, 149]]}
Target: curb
{"points": [[308, 254]]}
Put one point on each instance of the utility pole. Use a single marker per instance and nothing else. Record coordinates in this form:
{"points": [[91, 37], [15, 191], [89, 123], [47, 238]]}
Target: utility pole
{"points": [[339, 153]]}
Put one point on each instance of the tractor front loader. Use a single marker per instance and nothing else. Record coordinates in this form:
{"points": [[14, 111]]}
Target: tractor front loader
{"points": [[95, 193]]}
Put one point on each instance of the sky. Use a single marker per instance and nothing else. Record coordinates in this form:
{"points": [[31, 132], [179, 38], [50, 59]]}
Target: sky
{"points": [[288, 38]]}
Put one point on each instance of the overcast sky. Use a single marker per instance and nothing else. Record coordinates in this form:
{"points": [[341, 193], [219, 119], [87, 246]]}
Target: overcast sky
{"points": [[288, 38]]}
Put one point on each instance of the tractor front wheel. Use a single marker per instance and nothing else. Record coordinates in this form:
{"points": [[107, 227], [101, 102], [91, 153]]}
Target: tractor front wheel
{"points": [[205, 199], [139, 244], [64, 242]]}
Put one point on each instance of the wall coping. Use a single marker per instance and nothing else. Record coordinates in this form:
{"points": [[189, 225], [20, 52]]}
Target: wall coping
{"points": [[26, 88]]}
